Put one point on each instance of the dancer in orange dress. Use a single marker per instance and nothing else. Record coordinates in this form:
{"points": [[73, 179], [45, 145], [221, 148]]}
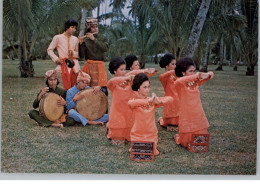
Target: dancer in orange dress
{"points": [[170, 111], [133, 65], [144, 128], [120, 118], [192, 119], [119, 124]]}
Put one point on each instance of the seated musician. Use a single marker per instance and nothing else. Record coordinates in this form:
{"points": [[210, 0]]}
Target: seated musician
{"points": [[52, 86], [83, 81]]}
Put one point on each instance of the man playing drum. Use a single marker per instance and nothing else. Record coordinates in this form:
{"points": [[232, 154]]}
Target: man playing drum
{"points": [[52, 86], [93, 49], [67, 47], [73, 96]]}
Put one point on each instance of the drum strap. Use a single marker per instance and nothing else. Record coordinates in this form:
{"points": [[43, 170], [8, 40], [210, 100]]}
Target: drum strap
{"points": [[97, 72], [68, 79]]}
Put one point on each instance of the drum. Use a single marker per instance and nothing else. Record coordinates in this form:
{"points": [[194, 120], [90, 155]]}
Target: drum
{"points": [[70, 63], [92, 106], [49, 107]]}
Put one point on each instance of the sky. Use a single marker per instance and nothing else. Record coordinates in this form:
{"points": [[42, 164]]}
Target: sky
{"points": [[104, 8]]}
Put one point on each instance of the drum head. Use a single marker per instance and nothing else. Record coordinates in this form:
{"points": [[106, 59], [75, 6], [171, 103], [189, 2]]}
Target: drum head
{"points": [[49, 107], [92, 106]]}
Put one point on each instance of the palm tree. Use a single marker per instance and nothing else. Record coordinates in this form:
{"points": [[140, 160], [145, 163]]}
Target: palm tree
{"points": [[35, 20], [249, 35], [196, 29]]}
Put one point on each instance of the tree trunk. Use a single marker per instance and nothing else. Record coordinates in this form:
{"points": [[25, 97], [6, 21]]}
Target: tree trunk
{"points": [[83, 21], [25, 64], [196, 29], [15, 50], [206, 58], [221, 54]]}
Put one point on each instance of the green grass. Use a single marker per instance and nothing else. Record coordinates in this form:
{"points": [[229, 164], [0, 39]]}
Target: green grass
{"points": [[229, 101]]}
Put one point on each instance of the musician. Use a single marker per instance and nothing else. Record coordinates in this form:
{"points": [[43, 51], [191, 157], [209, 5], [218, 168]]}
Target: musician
{"points": [[83, 81], [144, 128], [52, 86], [93, 46], [67, 47]]}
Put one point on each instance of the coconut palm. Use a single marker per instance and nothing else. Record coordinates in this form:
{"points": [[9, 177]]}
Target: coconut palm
{"points": [[35, 19], [249, 35]]}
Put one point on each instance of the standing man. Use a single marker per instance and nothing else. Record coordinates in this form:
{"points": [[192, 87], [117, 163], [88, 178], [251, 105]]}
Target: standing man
{"points": [[67, 47], [93, 49]]}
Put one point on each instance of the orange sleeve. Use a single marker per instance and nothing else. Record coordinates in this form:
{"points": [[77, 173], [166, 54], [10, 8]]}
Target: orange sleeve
{"points": [[137, 102], [165, 76], [114, 81], [134, 72], [183, 80], [203, 81], [165, 100], [150, 74]]}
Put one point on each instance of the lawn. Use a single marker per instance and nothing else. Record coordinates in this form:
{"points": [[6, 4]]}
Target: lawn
{"points": [[229, 101]]}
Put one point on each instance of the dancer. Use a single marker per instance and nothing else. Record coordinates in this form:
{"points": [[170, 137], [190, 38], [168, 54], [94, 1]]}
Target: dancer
{"points": [[192, 119], [170, 111], [120, 118], [133, 65], [144, 128]]}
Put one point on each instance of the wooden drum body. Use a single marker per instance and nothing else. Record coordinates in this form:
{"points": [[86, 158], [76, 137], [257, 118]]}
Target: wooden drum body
{"points": [[92, 107], [49, 107]]}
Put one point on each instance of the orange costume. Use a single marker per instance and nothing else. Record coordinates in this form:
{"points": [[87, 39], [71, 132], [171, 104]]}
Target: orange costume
{"points": [[144, 128], [170, 111], [97, 71], [120, 117], [192, 119], [63, 44]]}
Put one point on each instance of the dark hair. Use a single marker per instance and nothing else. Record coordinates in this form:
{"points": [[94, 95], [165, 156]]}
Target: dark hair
{"points": [[70, 22], [129, 59], [165, 60], [182, 65], [138, 81], [115, 63], [48, 83]]}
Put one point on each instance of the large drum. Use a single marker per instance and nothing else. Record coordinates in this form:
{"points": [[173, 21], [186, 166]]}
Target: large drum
{"points": [[92, 106], [49, 107]]}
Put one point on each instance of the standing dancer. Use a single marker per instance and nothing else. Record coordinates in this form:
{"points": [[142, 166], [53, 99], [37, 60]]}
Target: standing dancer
{"points": [[67, 47], [144, 128], [192, 119], [170, 111]]}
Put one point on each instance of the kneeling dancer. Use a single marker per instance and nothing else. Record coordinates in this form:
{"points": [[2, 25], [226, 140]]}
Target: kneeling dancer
{"points": [[144, 128]]}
